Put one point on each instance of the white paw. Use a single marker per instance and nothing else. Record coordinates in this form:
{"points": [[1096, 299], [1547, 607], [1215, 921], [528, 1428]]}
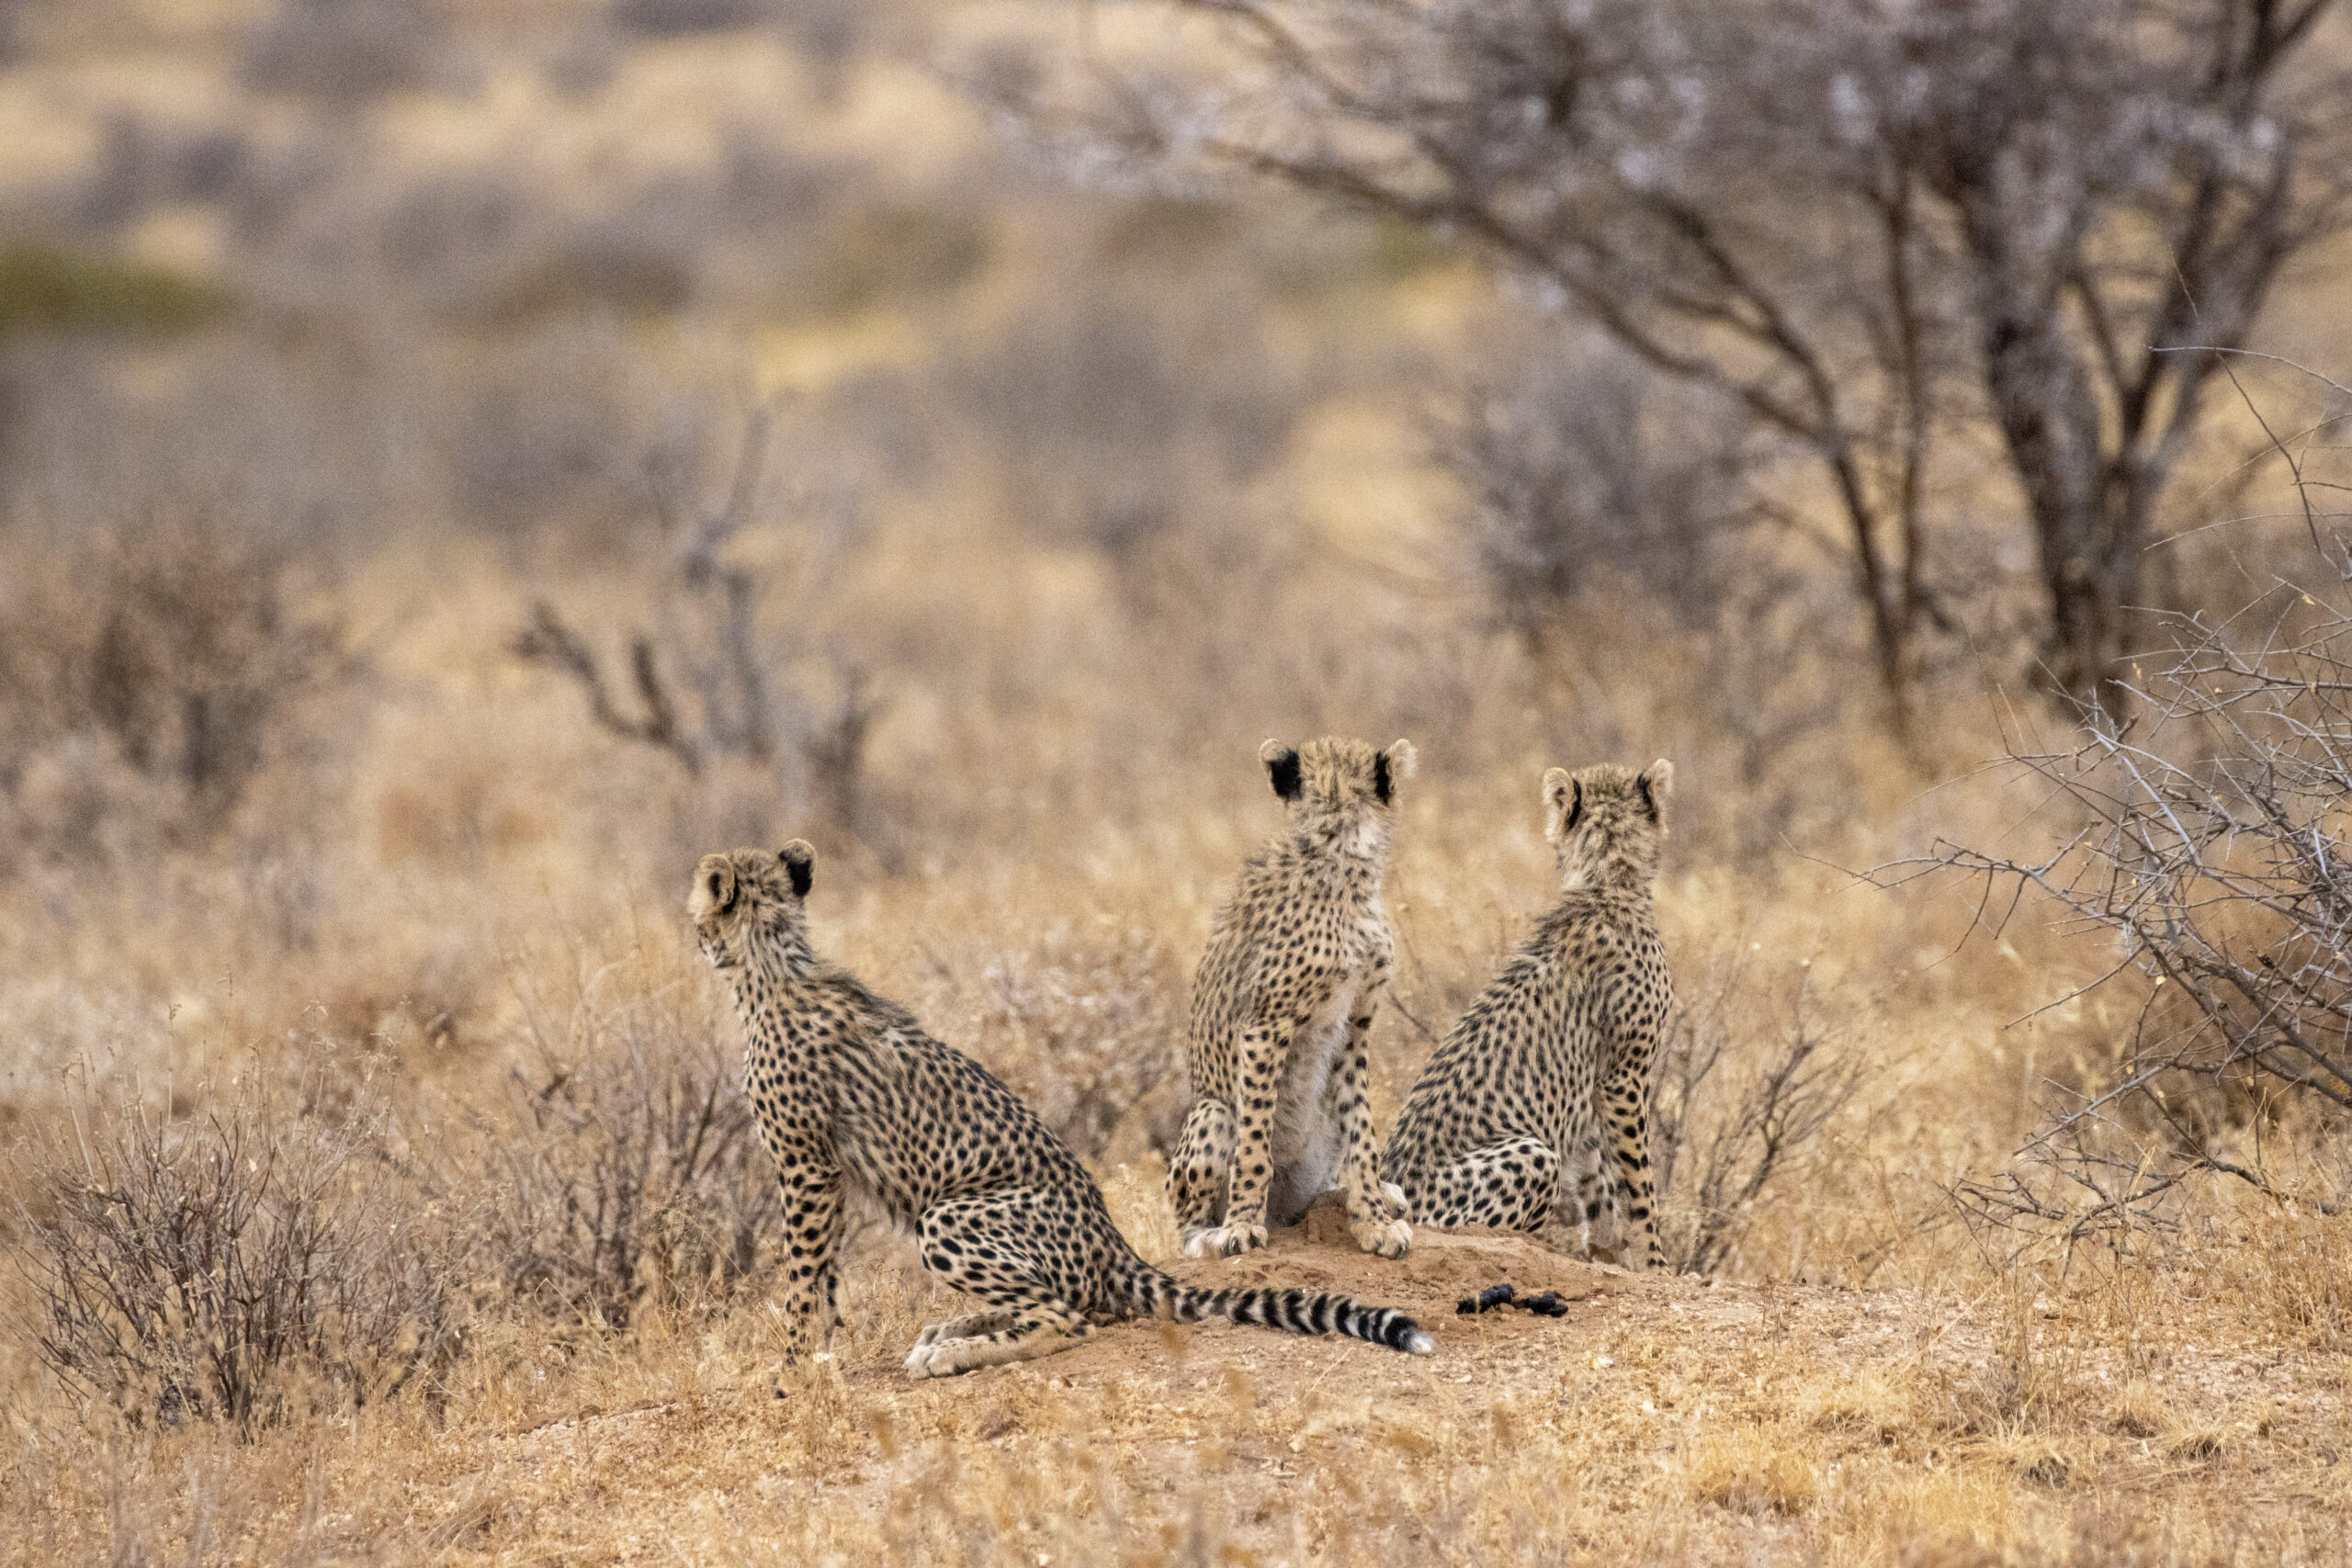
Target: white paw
{"points": [[1225, 1241], [1389, 1239], [935, 1357], [1395, 1195]]}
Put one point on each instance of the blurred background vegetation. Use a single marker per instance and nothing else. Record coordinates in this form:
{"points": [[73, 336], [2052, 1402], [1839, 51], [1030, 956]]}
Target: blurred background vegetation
{"points": [[462, 460]]}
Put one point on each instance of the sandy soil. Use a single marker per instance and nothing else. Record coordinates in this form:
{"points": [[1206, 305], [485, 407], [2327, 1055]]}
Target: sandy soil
{"points": [[1661, 1418]]}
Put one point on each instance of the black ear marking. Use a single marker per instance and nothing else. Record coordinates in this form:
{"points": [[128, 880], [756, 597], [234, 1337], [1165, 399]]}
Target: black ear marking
{"points": [[800, 865], [1282, 768], [1649, 801], [1381, 785], [723, 890], [1575, 804]]}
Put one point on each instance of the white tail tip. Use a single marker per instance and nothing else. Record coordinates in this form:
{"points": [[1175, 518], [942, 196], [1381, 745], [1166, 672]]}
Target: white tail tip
{"points": [[1421, 1344]]}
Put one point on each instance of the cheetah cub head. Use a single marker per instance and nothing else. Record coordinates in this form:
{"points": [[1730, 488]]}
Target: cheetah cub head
{"points": [[1607, 824], [747, 906], [1342, 794]]}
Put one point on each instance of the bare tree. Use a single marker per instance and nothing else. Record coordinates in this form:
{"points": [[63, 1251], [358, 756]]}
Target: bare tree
{"points": [[707, 681], [1862, 222]]}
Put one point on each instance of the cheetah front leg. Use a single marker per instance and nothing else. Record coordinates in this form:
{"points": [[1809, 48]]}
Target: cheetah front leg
{"points": [[1627, 1094], [813, 1209], [1264, 1053], [1375, 1209], [1197, 1172]]}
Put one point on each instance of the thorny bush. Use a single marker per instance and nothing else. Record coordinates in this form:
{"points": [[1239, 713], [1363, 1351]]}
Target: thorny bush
{"points": [[2207, 840], [224, 1268], [626, 1170]]}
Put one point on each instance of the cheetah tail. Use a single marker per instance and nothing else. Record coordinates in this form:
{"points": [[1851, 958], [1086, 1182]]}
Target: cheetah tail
{"points": [[1292, 1311]]}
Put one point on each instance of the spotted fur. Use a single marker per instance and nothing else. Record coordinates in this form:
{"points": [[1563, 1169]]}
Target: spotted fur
{"points": [[1503, 1128], [851, 1094], [1278, 1050]]}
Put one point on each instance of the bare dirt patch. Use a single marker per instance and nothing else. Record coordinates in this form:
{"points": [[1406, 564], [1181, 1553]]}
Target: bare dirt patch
{"points": [[1661, 1418]]}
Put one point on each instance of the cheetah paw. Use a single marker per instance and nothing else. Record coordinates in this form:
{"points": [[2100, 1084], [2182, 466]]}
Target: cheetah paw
{"points": [[1225, 1241], [935, 1357], [1395, 1195], [1388, 1238]]}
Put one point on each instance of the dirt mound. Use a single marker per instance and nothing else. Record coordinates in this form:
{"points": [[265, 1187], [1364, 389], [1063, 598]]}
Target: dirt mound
{"points": [[1443, 1267]]}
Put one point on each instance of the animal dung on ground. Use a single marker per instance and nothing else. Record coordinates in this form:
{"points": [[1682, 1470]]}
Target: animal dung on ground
{"points": [[1549, 1304]]}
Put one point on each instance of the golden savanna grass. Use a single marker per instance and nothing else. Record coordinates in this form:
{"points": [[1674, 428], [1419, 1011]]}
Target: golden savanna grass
{"points": [[427, 941]]}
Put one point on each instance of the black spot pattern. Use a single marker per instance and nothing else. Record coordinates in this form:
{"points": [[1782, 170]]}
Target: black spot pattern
{"points": [[851, 1093], [1561, 1044], [1278, 1048]]}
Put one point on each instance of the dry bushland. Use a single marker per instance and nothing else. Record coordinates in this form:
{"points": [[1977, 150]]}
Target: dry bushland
{"points": [[378, 653]]}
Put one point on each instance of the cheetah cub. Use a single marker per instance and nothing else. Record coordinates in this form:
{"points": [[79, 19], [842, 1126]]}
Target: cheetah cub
{"points": [[852, 1094], [1507, 1100], [1282, 1014]]}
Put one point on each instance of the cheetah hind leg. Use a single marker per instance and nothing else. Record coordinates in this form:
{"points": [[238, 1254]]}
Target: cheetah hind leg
{"points": [[1040, 1328], [979, 1246], [972, 1327], [1596, 1195], [1509, 1185]]}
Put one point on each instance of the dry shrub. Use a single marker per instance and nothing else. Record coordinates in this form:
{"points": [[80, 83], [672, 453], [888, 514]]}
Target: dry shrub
{"points": [[1584, 473], [1738, 1106], [209, 1268], [2205, 844], [1083, 1024], [346, 51], [2034, 1381], [2037, 1459], [1103, 407], [154, 672], [626, 1170], [677, 19], [733, 678], [2195, 1444]]}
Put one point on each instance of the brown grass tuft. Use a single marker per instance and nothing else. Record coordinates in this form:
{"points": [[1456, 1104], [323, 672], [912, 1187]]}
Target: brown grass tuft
{"points": [[1754, 1469]]}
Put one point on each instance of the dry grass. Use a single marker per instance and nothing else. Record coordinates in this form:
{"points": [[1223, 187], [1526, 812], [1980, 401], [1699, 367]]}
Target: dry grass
{"points": [[432, 926]]}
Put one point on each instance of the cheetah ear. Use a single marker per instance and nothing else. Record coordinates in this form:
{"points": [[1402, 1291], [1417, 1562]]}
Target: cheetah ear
{"points": [[1563, 803], [1391, 768], [1658, 785], [715, 887], [1282, 766], [800, 865]]}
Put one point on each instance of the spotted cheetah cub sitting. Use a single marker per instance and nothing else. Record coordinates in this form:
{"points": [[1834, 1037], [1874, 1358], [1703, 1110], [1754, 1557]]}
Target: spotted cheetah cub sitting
{"points": [[1282, 1014], [1507, 1102], [852, 1094]]}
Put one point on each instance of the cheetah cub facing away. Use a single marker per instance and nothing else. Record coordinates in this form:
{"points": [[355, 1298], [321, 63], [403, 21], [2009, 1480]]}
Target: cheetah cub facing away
{"points": [[1282, 1014], [851, 1093], [1507, 1100]]}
